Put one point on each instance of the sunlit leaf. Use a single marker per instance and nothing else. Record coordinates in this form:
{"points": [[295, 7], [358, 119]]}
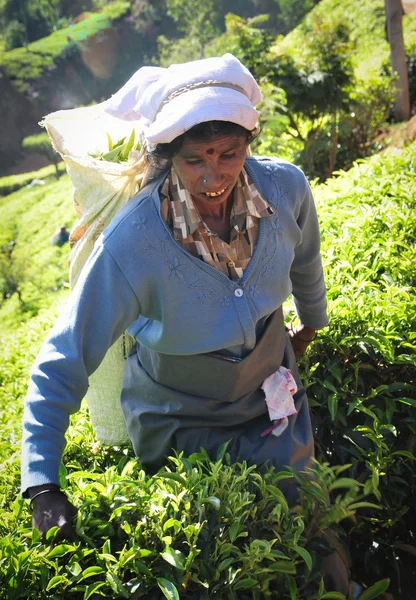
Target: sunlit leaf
{"points": [[168, 589]]}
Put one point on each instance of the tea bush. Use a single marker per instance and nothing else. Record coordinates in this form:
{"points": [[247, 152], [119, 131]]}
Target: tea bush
{"points": [[29, 218], [205, 529], [42, 144], [362, 369], [12, 183]]}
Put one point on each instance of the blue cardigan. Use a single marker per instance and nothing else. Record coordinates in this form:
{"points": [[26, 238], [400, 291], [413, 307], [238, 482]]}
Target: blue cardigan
{"points": [[140, 279]]}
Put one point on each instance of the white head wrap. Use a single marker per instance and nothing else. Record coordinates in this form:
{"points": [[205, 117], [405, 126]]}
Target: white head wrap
{"points": [[168, 102]]}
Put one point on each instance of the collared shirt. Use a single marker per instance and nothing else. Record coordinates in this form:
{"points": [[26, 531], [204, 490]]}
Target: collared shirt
{"points": [[180, 213]]}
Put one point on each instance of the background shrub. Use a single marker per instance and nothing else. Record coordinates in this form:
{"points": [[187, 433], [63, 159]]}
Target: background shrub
{"points": [[41, 143], [14, 35]]}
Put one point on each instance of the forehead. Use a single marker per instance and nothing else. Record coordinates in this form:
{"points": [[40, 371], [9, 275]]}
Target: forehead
{"points": [[218, 144]]}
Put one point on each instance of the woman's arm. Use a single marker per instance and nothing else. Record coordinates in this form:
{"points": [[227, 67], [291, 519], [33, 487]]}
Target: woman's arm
{"points": [[308, 285], [100, 308]]}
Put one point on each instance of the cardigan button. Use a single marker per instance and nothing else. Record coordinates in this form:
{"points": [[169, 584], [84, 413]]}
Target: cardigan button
{"points": [[239, 292]]}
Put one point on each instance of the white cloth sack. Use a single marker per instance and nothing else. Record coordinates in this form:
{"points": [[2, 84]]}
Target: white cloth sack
{"points": [[100, 189]]}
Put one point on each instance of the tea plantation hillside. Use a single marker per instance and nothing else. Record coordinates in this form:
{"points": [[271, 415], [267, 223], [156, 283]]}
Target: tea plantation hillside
{"points": [[202, 529], [30, 217]]}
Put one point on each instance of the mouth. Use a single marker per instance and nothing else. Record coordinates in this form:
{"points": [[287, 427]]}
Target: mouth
{"points": [[215, 194]]}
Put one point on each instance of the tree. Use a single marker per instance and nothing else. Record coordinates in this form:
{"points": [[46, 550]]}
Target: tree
{"points": [[199, 20], [317, 90], [41, 143], [12, 273], [293, 11], [394, 13], [248, 41], [37, 17]]}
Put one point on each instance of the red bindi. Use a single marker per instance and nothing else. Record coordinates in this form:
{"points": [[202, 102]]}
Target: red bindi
{"points": [[210, 151]]}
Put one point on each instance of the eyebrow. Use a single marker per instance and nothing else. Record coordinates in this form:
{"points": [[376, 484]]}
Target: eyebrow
{"points": [[185, 154]]}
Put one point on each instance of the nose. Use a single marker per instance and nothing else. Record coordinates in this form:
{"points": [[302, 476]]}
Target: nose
{"points": [[213, 177]]}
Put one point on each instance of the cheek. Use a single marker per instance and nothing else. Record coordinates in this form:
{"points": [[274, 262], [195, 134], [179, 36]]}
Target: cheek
{"points": [[236, 169], [186, 173]]}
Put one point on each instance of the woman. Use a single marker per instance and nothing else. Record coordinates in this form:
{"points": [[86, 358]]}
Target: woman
{"points": [[196, 268]]}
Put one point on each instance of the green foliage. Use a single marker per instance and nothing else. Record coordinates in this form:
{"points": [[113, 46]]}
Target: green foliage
{"points": [[37, 18], [250, 43], [314, 112], [121, 151], [225, 530], [411, 72], [370, 106], [192, 16], [247, 40], [30, 216], [12, 183], [197, 526], [41, 143], [24, 65], [14, 36], [198, 20], [178, 51], [365, 21], [12, 273], [362, 371], [292, 13], [331, 117], [317, 90], [357, 130]]}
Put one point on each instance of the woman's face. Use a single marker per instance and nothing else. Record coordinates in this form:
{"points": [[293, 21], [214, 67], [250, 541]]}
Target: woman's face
{"points": [[209, 170]]}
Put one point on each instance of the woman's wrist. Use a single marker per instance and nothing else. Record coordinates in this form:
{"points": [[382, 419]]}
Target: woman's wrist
{"points": [[40, 489], [304, 333]]}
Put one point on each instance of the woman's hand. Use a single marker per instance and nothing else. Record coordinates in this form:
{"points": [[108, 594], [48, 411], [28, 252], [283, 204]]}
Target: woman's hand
{"points": [[52, 508], [301, 336]]}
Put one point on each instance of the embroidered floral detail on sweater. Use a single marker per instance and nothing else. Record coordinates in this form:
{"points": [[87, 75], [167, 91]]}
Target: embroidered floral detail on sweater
{"points": [[253, 290], [140, 223], [176, 268], [271, 171], [269, 266]]}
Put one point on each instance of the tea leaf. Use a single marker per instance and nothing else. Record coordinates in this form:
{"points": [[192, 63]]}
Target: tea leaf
{"points": [[375, 590], [56, 581], [305, 555], [169, 590], [90, 572], [61, 550], [245, 584], [92, 589], [174, 558]]}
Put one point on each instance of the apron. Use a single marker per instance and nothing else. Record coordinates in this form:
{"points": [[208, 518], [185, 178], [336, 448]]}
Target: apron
{"points": [[203, 400], [188, 402]]}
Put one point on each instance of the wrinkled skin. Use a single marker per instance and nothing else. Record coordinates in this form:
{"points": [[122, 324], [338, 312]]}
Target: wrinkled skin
{"points": [[53, 509]]}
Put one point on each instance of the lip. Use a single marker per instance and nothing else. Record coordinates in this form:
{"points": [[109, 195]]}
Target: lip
{"points": [[214, 193]]}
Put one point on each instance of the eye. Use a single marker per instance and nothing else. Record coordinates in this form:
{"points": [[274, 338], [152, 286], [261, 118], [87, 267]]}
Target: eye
{"points": [[193, 161], [228, 156]]}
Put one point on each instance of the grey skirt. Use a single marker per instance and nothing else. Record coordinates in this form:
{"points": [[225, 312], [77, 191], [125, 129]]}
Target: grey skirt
{"points": [[188, 402]]}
